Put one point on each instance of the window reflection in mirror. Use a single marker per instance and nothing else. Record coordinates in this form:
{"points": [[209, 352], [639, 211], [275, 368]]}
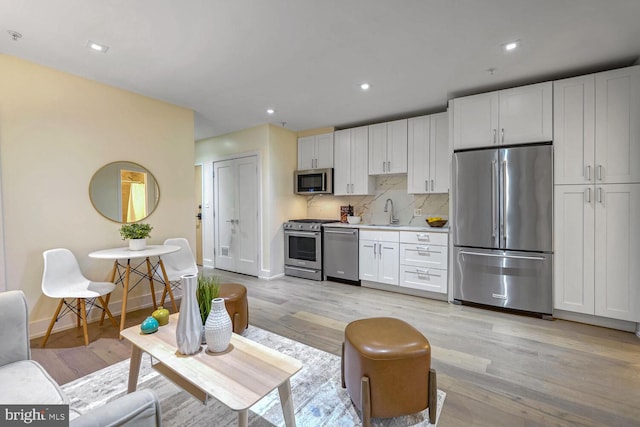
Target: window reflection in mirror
{"points": [[124, 192]]}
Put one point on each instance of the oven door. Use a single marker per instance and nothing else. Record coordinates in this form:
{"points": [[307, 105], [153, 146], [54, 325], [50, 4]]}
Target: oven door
{"points": [[303, 249]]}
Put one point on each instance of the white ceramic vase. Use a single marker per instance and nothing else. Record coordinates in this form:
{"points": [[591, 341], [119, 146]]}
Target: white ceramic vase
{"points": [[218, 327], [189, 328], [137, 244]]}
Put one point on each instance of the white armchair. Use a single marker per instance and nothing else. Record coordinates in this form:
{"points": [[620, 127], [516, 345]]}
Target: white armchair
{"points": [[25, 381]]}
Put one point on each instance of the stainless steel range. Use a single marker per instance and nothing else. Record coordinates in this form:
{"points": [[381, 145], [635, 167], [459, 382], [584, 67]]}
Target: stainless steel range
{"points": [[303, 247]]}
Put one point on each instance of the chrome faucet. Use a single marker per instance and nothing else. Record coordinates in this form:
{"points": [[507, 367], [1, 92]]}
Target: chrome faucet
{"points": [[392, 219]]}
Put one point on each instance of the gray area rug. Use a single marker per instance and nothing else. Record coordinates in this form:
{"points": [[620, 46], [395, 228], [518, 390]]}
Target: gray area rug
{"points": [[318, 396]]}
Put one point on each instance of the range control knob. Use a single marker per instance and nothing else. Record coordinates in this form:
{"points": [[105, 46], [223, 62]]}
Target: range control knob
{"points": [[300, 226]]}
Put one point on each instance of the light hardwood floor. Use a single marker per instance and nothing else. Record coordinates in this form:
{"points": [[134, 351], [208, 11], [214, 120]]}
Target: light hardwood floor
{"points": [[498, 369]]}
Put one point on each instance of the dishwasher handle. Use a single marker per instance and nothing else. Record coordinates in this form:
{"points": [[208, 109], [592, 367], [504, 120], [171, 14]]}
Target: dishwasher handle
{"points": [[351, 233]]}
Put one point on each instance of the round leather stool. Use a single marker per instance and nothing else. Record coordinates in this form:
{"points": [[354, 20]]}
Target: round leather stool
{"points": [[386, 368], [235, 301]]}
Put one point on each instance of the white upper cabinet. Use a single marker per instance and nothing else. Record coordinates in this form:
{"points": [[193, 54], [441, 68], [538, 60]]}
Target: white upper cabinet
{"points": [[351, 174], [388, 147], [428, 168], [574, 130], [315, 152], [617, 124], [597, 128], [512, 116]]}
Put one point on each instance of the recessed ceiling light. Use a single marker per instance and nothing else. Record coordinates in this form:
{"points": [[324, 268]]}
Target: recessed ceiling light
{"points": [[97, 47], [15, 36], [365, 86], [271, 111], [510, 46]]}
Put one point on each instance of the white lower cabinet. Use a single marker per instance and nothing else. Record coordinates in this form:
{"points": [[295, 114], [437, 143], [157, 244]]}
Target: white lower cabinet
{"points": [[423, 261], [378, 259], [597, 250]]}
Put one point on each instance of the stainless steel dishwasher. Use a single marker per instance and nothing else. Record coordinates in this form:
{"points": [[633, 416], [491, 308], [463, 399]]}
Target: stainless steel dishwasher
{"points": [[340, 254]]}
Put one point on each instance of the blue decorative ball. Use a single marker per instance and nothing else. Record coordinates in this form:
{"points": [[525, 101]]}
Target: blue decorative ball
{"points": [[149, 326]]}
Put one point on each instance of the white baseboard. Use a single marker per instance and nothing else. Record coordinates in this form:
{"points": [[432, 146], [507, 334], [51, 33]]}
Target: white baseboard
{"points": [[38, 328], [605, 322], [403, 290]]}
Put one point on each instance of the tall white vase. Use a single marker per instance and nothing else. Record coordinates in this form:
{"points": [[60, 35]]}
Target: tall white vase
{"points": [[189, 328], [218, 327]]}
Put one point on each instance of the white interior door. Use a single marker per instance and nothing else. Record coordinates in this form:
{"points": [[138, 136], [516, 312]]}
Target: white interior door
{"points": [[236, 215]]}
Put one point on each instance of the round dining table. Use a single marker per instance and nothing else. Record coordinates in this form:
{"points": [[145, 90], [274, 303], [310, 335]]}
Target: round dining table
{"points": [[135, 263]]}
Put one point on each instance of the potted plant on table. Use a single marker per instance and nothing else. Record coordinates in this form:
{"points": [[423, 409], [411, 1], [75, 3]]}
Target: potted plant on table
{"points": [[137, 234], [208, 289]]}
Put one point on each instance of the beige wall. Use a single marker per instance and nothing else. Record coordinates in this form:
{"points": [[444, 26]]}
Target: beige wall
{"points": [[56, 130], [277, 150]]}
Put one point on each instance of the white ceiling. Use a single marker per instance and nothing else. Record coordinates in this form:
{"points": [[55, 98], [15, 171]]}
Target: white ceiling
{"points": [[230, 60]]}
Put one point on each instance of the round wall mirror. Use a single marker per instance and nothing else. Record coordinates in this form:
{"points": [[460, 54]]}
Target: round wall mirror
{"points": [[124, 192]]}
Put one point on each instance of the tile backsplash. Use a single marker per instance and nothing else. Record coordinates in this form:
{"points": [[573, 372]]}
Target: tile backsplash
{"points": [[371, 208]]}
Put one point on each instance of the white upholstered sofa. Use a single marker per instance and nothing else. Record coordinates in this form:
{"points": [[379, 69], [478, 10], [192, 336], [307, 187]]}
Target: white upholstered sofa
{"points": [[24, 381]]}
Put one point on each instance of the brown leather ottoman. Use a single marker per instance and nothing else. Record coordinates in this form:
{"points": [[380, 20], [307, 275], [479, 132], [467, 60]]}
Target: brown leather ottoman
{"points": [[235, 301], [386, 368]]}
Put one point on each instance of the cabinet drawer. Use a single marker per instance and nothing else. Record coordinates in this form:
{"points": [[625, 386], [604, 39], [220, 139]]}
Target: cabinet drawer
{"points": [[424, 237], [423, 255], [426, 279], [380, 235]]}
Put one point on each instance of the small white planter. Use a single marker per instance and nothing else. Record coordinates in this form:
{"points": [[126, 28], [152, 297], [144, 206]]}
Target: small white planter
{"points": [[137, 244]]}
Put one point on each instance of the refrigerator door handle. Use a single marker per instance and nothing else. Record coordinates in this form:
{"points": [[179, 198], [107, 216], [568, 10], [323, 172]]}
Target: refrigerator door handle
{"points": [[493, 200], [503, 223], [533, 258]]}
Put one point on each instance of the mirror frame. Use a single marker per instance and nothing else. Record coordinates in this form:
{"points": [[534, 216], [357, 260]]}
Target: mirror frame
{"points": [[134, 166]]}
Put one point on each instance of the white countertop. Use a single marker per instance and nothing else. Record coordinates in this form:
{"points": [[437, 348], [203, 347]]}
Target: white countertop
{"points": [[389, 227]]}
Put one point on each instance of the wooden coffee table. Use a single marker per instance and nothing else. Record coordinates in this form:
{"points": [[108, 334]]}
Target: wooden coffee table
{"points": [[238, 378]]}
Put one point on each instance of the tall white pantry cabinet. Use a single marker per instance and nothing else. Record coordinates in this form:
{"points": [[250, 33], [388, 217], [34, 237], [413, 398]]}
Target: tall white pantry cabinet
{"points": [[597, 194]]}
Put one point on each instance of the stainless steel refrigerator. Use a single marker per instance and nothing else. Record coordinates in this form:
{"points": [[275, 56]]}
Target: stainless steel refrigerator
{"points": [[502, 227]]}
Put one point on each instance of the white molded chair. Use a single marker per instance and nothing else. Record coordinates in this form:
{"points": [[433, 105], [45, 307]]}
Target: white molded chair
{"points": [[62, 278], [177, 264]]}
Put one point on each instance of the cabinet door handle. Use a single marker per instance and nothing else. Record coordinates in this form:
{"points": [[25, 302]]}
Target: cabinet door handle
{"points": [[351, 188], [600, 198], [588, 195], [426, 185], [389, 166], [502, 135], [347, 188], [599, 177], [494, 137], [422, 271], [431, 185], [374, 250], [589, 173], [384, 166]]}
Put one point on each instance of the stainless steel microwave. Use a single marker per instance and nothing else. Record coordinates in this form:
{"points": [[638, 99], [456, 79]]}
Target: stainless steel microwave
{"points": [[313, 181]]}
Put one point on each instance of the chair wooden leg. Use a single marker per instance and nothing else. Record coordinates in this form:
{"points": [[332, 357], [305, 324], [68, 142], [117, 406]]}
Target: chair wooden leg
{"points": [[111, 279], [167, 286], [83, 313], [106, 305], [53, 321], [344, 384], [153, 290], [105, 309], [365, 399], [433, 396], [78, 304]]}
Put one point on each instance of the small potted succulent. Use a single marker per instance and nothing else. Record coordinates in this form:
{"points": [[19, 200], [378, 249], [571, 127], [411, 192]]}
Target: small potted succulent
{"points": [[136, 233]]}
